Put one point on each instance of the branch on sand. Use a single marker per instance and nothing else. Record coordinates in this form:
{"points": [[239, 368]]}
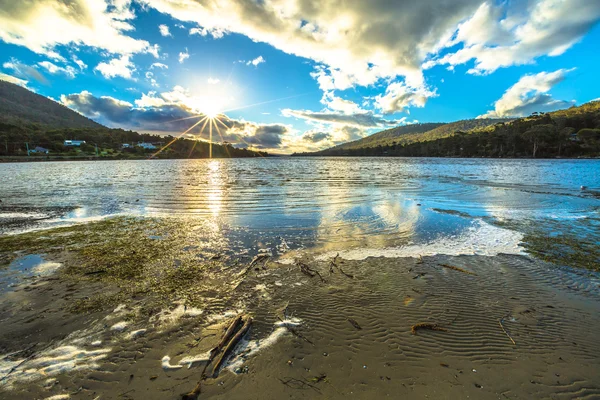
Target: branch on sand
{"points": [[306, 270], [334, 264], [234, 333], [464, 271], [426, 326], [504, 330]]}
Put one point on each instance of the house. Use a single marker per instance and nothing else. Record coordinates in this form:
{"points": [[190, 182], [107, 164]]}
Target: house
{"points": [[39, 149], [74, 142], [147, 146]]}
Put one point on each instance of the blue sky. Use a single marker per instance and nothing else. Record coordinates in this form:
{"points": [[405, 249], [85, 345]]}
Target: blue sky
{"points": [[301, 75]]}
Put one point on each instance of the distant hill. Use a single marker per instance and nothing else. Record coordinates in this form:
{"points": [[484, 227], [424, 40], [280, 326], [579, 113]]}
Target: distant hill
{"points": [[573, 132], [29, 121], [407, 134], [20, 106], [388, 136]]}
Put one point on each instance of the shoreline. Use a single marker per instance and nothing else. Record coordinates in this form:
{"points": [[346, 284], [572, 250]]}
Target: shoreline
{"points": [[25, 159], [127, 316]]}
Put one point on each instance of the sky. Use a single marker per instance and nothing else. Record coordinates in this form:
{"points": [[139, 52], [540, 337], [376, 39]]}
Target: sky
{"points": [[301, 75]]}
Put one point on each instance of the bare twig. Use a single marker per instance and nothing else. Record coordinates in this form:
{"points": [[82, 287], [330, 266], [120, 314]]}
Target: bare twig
{"points": [[504, 330], [464, 271], [428, 326]]}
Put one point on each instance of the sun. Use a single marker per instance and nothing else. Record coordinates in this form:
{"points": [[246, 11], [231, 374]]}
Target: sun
{"points": [[211, 110]]}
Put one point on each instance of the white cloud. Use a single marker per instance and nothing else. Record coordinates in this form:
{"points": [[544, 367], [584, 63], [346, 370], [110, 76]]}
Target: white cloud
{"points": [[258, 60], [150, 77], [122, 67], [183, 56], [213, 81], [24, 71], [173, 112], [365, 119], [516, 33], [68, 71], [12, 79], [42, 25], [164, 30], [530, 94], [361, 43], [216, 33], [399, 96], [159, 66], [79, 63]]}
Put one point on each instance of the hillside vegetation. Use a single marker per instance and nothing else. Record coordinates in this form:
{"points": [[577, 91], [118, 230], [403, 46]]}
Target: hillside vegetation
{"points": [[19, 106], [572, 132], [28, 120]]}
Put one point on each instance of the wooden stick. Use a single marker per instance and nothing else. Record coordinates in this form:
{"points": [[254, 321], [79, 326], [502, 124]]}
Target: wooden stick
{"points": [[504, 330], [233, 327], [231, 345]]}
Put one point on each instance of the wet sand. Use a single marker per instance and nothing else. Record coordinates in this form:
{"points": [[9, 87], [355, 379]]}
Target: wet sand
{"points": [[351, 334]]}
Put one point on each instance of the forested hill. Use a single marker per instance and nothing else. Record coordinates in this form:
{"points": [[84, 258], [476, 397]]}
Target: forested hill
{"points": [[19, 106], [388, 136], [573, 132], [29, 121], [407, 134]]}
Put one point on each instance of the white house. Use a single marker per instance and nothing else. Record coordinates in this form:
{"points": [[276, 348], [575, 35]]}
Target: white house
{"points": [[74, 142], [147, 146]]}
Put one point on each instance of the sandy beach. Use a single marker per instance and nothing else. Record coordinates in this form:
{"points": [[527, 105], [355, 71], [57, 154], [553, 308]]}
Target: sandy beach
{"points": [[506, 326]]}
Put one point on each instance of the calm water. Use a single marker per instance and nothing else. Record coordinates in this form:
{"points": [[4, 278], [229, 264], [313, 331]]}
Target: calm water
{"points": [[329, 204]]}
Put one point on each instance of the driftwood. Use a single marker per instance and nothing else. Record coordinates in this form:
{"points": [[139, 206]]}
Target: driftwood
{"points": [[232, 336], [354, 323], [505, 332], [231, 345], [258, 258], [233, 327], [306, 270], [333, 264], [428, 326], [464, 271]]}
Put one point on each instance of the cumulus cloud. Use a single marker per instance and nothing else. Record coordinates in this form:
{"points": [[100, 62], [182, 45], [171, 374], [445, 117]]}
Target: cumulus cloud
{"points": [[214, 32], [170, 112], [68, 71], [258, 60], [316, 136], [399, 96], [159, 66], [356, 40], [362, 119], [121, 66], [184, 55], [79, 63], [530, 94], [13, 79], [164, 30], [24, 71], [42, 25], [515, 33], [360, 43], [323, 137]]}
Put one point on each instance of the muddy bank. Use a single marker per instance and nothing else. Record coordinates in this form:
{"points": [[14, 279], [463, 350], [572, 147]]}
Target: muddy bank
{"points": [[132, 315]]}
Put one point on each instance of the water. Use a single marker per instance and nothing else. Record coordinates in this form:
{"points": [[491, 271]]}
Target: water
{"points": [[329, 204]]}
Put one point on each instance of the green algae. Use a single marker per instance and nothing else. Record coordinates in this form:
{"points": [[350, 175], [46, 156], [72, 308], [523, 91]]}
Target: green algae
{"points": [[133, 258]]}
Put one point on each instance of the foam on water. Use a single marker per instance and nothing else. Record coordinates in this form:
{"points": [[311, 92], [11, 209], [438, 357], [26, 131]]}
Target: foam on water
{"points": [[480, 239], [248, 348], [63, 359]]}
